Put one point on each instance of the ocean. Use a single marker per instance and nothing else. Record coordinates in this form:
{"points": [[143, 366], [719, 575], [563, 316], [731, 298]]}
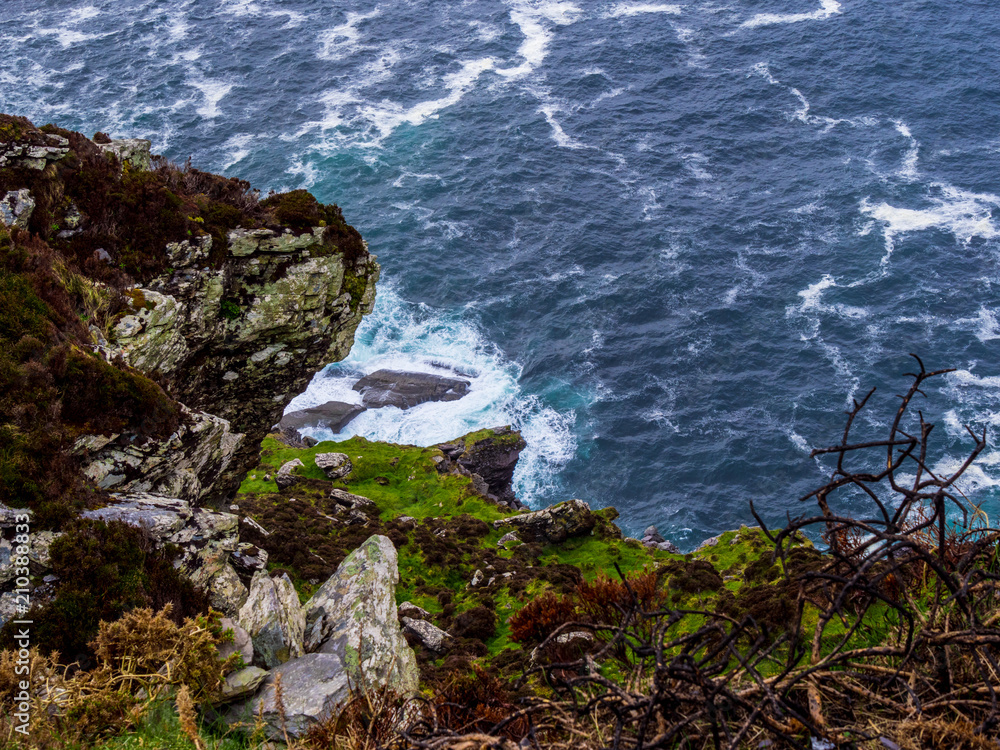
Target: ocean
{"points": [[669, 242]]}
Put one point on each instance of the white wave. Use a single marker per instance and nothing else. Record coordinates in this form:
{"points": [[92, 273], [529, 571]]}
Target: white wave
{"points": [[237, 147], [67, 37], [177, 28], [802, 113], [988, 328], [558, 134], [963, 213], [214, 91], [695, 163], [908, 169], [405, 175], [827, 9], [626, 10], [798, 441], [535, 20], [83, 14], [386, 117], [403, 336], [486, 32], [965, 379], [342, 40]]}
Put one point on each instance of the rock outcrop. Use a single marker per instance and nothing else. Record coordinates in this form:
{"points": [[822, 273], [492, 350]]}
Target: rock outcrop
{"points": [[552, 525], [241, 340], [406, 389]]}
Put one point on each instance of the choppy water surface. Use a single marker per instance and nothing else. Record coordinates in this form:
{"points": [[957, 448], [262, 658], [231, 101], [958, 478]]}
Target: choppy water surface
{"points": [[669, 241]]}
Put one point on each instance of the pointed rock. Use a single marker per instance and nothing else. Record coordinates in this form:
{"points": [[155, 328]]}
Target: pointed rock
{"points": [[273, 617]]}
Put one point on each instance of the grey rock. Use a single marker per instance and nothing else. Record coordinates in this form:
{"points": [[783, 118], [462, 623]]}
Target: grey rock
{"points": [[309, 442], [242, 683], [8, 607], [241, 644], [477, 578], [16, 208], [213, 574], [285, 477], [333, 416], [8, 516], [314, 687], [651, 534], [334, 465], [274, 619], [349, 500], [406, 389], [135, 152], [554, 524], [247, 559], [710, 542], [429, 636], [353, 615], [38, 554], [411, 610], [510, 537], [668, 546]]}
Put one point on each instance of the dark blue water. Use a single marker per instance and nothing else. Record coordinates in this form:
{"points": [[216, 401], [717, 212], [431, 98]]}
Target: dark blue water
{"points": [[668, 241]]}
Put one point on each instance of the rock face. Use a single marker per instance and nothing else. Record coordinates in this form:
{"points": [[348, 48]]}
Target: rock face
{"points": [[406, 389], [353, 615], [493, 457], [274, 619], [240, 341], [188, 465], [552, 525], [333, 416]]}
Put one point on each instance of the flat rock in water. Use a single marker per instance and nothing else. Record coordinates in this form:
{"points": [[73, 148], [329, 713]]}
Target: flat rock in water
{"points": [[406, 389], [333, 416]]}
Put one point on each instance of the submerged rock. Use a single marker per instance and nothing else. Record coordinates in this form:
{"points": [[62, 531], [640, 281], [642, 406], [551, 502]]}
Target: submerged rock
{"points": [[407, 389], [333, 416]]}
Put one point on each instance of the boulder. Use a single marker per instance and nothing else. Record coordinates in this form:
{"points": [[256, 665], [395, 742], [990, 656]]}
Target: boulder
{"points": [[16, 208], [552, 525], [135, 152], [429, 636], [406, 389], [313, 687], [242, 683], [333, 416], [353, 616], [411, 610], [285, 477], [334, 465], [345, 499], [274, 619], [213, 574]]}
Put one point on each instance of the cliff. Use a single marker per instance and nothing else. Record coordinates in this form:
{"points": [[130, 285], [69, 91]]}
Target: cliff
{"points": [[156, 319]]}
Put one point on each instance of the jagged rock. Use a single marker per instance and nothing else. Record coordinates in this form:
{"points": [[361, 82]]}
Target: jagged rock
{"points": [[494, 458], [334, 465], [552, 525], [510, 537], [429, 636], [710, 542], [333, 416], [411, 610], [242, 683], [477, 578], [132, 151], [348, 500], [247, 559], [652, 535], [285, 477], [213, 574], [313, 688], [16, 208], [406, 389], [187, 465], [241, 643], [353, 616], [34, 151], [309, 442], [274, 619]]}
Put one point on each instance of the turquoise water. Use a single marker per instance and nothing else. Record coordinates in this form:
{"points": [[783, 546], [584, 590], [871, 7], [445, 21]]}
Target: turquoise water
{"points": [[668, 241]]}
